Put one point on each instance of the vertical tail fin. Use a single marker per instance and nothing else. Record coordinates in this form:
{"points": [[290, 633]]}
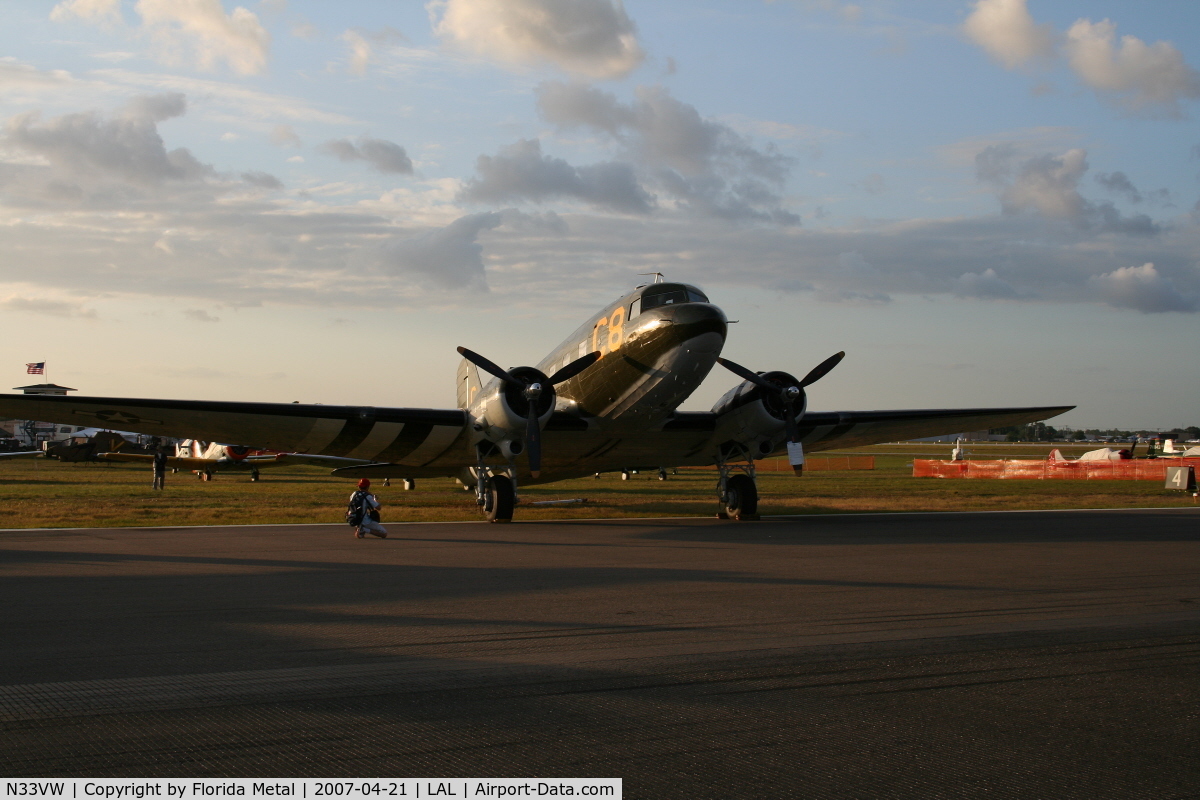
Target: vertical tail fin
{"points": [[468, 383]]}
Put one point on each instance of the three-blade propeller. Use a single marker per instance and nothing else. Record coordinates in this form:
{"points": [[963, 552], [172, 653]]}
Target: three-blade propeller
{"points": [[532, 391], [788, 394]]}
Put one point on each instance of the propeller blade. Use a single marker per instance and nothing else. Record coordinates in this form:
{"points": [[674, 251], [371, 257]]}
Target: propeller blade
{"points": [[742, 372], [822, 369], [574, 368], [789, 421], [488, 366], [533, 439]]}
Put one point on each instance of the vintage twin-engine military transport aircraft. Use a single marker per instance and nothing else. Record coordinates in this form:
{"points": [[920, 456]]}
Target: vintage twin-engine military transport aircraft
{"points": [[604, 400]]}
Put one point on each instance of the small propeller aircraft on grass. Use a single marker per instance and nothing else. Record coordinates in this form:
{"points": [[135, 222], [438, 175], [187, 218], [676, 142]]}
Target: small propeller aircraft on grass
{"points": [[208, 458], [604, 400]]}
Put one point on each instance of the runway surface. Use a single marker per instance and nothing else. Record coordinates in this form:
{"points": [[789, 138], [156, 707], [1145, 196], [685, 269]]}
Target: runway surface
{"points": [[966, 655]]}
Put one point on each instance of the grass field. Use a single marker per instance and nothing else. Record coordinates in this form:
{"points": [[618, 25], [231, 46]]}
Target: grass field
{"points": [[38, 493]]}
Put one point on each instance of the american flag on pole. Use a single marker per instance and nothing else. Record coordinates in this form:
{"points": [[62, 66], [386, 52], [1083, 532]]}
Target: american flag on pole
{"points": [[36, 368]]}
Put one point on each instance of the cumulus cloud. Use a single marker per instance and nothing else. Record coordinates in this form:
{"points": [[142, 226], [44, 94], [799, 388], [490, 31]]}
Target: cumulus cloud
{"points": [[125, 146], [593, 38], [1144, 289], [705, 165], [1007, 32], [521, 172], [447, 258], [1142, 79], [203, 29], [1049, 185], [381, 154]]}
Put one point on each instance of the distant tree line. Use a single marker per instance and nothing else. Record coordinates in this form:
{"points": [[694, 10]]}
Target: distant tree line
{"points": [[1041, 432]]}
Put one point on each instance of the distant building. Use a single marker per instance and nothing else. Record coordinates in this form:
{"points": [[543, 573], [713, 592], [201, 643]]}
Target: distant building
{"points": [[31, 431], [45, 388]]}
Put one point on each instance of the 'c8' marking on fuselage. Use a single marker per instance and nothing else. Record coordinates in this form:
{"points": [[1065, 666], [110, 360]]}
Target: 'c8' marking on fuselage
{"points": [[615, 334]]}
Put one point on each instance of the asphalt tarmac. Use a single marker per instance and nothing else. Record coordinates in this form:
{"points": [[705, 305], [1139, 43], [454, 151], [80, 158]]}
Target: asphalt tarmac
{"points": [[1027, 654]]}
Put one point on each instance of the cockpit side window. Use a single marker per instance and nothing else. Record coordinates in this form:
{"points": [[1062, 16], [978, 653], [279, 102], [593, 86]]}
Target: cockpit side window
{"points": [[696, 297]]}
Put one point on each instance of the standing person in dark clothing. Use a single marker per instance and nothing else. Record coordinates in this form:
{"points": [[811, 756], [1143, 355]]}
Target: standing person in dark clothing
{"points": [[160, 467]]}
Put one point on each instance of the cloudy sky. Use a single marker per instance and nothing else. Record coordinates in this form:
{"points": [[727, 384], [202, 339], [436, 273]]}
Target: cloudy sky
{"points": [[983, 203]]}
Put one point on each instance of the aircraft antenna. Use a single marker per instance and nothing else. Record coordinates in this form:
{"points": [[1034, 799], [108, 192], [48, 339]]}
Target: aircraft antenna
{"points": [[658, 276]]}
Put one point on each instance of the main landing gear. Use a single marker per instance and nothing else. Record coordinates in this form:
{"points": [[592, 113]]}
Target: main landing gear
{"points": [[495, 490], [499, 499], [737, 491]]}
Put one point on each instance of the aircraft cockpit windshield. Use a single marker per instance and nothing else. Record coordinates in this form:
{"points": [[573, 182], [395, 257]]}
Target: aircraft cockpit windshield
{"points": [[666, 294]]}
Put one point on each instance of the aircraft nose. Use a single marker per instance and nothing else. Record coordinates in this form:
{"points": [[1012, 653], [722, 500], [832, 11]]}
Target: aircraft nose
{"points": [[702, 324]]}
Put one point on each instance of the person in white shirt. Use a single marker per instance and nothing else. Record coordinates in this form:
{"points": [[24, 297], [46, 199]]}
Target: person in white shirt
{"points": [[364, 508]]}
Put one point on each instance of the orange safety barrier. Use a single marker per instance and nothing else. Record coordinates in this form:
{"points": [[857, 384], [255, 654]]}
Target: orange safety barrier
{"points": [[1154, 469]]}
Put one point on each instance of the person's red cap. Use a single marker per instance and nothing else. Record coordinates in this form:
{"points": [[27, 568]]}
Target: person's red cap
{"points": [[364, 483]]}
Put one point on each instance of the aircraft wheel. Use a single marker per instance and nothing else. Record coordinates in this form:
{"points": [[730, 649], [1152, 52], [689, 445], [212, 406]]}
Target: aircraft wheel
{"points": [[253, 475], [662, 474], [500, 499], [741, 497], [624, 474], [409, 484], [206, 476]]}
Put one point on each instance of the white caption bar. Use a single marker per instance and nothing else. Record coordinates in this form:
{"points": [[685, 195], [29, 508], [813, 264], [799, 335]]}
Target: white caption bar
{"points": [[307, 788]]}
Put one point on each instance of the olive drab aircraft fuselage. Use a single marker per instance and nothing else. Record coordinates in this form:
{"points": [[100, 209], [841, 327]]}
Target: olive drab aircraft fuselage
{"points": [[604, 400]]}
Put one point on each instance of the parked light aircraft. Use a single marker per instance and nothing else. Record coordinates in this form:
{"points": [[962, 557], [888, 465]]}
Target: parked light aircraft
{"points": [[604, 400], [208, 458]]}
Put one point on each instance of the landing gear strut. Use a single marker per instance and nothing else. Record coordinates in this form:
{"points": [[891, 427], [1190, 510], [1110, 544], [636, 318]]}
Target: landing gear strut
{"points": [[737, 490]]}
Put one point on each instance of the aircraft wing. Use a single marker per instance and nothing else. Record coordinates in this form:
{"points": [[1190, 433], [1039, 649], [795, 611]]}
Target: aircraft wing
{"points": [[357, 432], [21, 453], [826, 430], [174, 462]]}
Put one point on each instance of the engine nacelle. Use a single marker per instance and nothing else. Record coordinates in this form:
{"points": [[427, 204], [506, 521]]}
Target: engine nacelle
{"points": [[752, 417], [236, 452], [501, 415]]}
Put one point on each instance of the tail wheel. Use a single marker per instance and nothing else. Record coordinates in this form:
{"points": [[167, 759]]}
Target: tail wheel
{"points": [[253, 475], [500, 499], [741, 497]]}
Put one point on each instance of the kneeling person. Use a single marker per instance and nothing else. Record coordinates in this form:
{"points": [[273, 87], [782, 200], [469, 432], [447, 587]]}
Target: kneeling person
{"points": [[363, 512]]}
